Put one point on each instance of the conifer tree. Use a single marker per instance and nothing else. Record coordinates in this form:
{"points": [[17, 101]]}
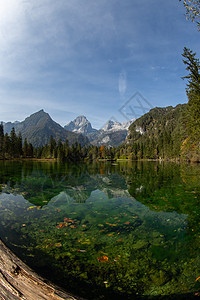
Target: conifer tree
{"points": [[25, 148], [193, 92], [30, 150], [66, 147], [1, 139], [193, 10], [19, 145], [6, 145], [60, 151], [13, 143], [52, 146]]}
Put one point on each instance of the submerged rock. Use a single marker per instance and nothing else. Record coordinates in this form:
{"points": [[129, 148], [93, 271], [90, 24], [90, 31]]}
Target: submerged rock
{"points": [[60, 199], [160, 278]]}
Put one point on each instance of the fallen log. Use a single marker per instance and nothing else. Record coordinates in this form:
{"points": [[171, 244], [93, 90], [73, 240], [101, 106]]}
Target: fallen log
{"points": [[18, 281]]}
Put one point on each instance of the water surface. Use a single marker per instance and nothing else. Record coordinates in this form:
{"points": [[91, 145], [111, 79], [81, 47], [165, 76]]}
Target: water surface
{"points": [[105, 230]]}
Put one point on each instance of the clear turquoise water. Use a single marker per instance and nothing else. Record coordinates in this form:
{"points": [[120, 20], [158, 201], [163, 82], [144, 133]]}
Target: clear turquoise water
{"points": [[105, 230]]}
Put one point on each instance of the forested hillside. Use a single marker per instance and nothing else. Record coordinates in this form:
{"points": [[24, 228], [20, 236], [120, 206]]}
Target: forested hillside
{"points": [[157, 134]]}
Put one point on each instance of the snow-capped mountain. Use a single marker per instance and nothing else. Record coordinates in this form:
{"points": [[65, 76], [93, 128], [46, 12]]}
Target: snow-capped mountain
{"points": [[112, 134], [80, 125], [116, 126]]}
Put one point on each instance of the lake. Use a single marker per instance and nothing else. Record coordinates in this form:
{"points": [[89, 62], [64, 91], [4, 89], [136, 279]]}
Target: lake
{"points": [[105, 230]]}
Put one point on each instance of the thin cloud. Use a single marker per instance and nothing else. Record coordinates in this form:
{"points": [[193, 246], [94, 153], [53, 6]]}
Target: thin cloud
{"points": [[122, 83]]}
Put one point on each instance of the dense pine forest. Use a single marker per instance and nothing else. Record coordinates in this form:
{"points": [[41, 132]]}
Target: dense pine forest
{"points": [[12, 147]]}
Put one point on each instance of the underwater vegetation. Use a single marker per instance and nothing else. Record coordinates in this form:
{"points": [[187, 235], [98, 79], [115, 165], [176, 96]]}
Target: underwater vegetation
{"points": [[131, 231]]}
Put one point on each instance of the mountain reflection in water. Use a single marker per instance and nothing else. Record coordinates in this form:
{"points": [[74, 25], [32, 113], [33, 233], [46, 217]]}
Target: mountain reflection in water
{"points": [[133, 230]]}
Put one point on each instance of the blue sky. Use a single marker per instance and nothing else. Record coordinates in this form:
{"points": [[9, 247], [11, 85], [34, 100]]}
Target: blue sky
{"points": [[89, 57]]}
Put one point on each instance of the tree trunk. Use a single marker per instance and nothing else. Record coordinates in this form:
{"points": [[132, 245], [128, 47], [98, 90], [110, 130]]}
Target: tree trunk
{"points": [[18, 281]]}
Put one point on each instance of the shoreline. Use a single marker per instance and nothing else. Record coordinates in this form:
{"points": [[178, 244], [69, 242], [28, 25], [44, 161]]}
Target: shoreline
{"points": [[30, 159], [176, 160]]}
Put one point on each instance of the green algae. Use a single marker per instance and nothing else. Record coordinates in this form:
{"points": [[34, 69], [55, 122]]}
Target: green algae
{"points": [[129, 231]]}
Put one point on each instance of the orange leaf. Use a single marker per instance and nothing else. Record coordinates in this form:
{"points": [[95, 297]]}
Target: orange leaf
{"points": [[197, 278], [103, 259]]}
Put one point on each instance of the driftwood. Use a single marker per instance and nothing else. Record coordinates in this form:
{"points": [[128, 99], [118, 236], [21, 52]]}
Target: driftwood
{"points": [[18, 281]]}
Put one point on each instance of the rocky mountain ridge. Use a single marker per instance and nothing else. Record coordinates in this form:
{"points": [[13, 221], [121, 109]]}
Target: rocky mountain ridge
{"points": [[39, 127], [80, 125], [113, 133]]}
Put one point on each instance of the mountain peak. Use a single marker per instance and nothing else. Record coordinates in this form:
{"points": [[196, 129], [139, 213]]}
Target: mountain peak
{"points": [[39, 127], [37, 117], [81, 117], [81, 120], [80, 125], [39, 112], [112, 134]]}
